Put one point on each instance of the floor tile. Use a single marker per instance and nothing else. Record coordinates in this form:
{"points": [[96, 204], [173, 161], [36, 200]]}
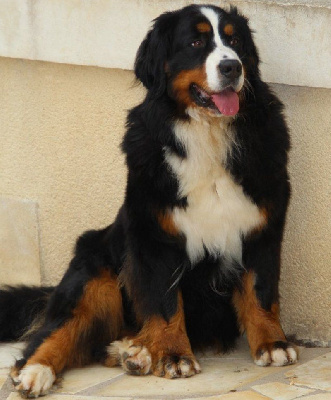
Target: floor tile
{"points": [[8, 355], [241, 352], [221, 374], [218, 376], [79, 379], [281, 391], [315, 374], [320, 396], [3, 376], [246, 395], [16, 396], [17, 345]]}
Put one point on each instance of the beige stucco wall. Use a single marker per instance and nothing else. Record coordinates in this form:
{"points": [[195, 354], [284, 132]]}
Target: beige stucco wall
{"points": [[61, 126], [306, 273], [60, 129]]}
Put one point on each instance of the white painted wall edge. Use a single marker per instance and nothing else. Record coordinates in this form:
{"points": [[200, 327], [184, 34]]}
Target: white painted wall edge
{"points": [[307, 3], [293, 36]]}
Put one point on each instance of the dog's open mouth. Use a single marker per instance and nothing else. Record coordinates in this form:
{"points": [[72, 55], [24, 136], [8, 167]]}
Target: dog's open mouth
{"points": [[226, 101]]}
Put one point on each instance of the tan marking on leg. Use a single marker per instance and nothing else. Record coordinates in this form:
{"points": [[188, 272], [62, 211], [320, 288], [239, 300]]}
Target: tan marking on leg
{"points": [[168, 345], [161, 335], [66, 346], [261, 326]]}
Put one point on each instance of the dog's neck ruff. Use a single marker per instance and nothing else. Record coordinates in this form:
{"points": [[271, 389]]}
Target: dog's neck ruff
{"points": [[218, 212]]}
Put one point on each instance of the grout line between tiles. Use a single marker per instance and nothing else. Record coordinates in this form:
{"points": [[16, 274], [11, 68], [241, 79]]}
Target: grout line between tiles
{"points": [[89, 391]]}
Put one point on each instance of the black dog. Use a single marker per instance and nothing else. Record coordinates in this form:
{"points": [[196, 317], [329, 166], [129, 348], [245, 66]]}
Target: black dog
{"points": [[193, 257]]}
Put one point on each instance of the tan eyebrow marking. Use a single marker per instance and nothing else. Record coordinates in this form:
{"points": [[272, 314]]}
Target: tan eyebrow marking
{"points": [[228, 29], [203, 27]]}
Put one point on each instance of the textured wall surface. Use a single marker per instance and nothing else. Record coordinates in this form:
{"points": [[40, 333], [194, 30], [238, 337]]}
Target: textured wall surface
{"points": [[19, 242], [306, 274], [61, 127]]}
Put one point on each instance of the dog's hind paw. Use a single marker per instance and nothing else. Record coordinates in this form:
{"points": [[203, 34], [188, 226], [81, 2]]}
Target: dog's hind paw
{"points": [[35, 380], [134, 359]]}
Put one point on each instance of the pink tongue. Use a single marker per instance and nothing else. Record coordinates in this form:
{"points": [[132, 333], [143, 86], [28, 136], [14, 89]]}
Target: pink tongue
{"points": [[227, 102]]}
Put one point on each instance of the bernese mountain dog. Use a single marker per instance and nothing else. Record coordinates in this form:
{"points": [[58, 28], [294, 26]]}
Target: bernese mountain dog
{"points": [[193, 256]]}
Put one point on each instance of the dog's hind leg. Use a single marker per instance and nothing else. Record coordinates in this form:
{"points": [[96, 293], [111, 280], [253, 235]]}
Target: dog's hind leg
{"points": [[95, 320]]}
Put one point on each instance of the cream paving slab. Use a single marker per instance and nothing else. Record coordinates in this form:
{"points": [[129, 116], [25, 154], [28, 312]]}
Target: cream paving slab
{"points": [[281, 391], [320, 396], [17, 345], [54, 396], [8, 355], [315, 374], [3, 376], [246, 395], [78, 379], [218, 377], [241, 351]]}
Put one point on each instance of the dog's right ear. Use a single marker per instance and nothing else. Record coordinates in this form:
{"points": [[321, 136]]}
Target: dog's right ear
{"points": [[153, 53]]}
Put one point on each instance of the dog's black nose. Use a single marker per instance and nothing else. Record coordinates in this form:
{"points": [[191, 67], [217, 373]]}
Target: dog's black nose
{"points": [[230, 68]]}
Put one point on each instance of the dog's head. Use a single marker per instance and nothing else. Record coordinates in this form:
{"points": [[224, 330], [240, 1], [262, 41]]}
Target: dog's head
{"points": [[200, 56]]}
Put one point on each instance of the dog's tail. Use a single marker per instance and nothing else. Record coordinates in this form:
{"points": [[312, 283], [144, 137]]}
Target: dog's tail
{"points": [[21, 308]]}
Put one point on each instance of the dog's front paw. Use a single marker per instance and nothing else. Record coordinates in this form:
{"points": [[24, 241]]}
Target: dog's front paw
{"points": [[276, 354], [35, 380], [176, 366]]}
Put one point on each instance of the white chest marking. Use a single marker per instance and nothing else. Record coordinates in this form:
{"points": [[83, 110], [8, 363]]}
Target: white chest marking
{"points": [[218, 212]]}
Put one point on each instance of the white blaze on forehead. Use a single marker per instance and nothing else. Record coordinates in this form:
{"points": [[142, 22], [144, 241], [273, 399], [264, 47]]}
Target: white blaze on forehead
{"points": [[213, 18], [220, 52]]}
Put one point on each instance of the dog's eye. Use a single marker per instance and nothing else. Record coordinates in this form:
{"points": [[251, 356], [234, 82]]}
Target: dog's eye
{"points": [[234, 41], [198, 43]]}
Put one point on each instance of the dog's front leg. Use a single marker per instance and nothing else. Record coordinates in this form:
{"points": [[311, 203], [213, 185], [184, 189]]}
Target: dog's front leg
{"points": [[161, 347], [257, 305]]}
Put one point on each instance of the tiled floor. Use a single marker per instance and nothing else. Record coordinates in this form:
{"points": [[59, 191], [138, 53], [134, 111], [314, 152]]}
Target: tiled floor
{"points": [[224, 377]]}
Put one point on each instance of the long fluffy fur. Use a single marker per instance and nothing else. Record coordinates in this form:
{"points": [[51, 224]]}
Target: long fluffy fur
{"points": [[146, 246]]}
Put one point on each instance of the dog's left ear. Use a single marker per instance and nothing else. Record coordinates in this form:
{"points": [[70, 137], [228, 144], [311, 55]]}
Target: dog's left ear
{"points": [[153, 53]]}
